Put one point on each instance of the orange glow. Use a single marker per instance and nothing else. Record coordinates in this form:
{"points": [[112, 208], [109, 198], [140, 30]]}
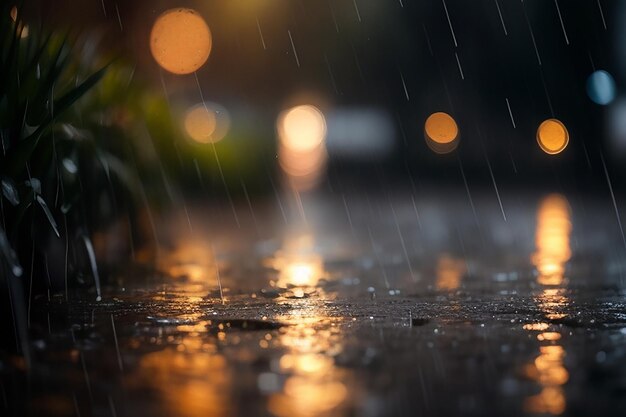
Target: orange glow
{"points": [[302, 149], [303, 397], [536, 326], [190, 260], [192, 383], [552, 239], [449, 273], [297, 263], [441, 133], [21, 28], [314, 385], [180, 41], [207, 123], [552, 136], [549, 372]]}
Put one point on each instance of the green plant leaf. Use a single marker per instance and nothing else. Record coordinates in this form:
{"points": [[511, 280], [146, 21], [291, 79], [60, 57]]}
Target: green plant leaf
{"points": [[71, 96], [16, 160]]}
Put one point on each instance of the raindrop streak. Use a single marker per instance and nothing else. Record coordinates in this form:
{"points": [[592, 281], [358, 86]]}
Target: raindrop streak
{"points": [[532, 35], [119, 18], [469, 195], [406, 254], [380, 264], [501, 18], [493, 179], [94, 267], [219, 278], [104, 9], [545, 89], [608, 181], [449, 22], [112, 406], [87, 382], [601, 14], [556, 3], [345, 205], [330, 72], [406, 92], [332, 13], [260, 33], [117, 347], [30, 285], [508, 105], [358, 15], [459, 64], [245, 192], [217, 159], [430, 47], [75, 400], [295, 54]]}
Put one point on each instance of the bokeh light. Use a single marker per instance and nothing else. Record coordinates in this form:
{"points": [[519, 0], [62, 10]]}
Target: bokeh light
{"points": [[441, 133], [302, 145], [302, 128], [552, 240], [552, 136], [180, 41], [207, 122], [601, 87]]}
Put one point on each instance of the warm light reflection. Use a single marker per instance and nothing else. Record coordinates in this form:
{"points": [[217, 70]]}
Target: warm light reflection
{"points": [[552, 239], [450, 271], [207, 122], [190, 259], [297, 263], [314, 384], [180, 41], [190, 382], [553, 251], [552, 136], [441, 133], [22, 29], [548, 370], [302, 145]]}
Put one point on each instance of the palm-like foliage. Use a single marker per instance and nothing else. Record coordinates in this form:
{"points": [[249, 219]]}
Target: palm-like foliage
{"points": [[39, 84]]}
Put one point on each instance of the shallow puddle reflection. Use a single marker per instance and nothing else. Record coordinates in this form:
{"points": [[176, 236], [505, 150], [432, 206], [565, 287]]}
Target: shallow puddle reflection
{"points": [[553, 251]]}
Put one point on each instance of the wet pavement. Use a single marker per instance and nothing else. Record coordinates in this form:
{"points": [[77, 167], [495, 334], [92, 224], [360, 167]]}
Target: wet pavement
{"points": [[357, 305]]}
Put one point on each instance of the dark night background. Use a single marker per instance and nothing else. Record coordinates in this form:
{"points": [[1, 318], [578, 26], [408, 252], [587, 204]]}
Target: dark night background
{"points": [[350, 58]]}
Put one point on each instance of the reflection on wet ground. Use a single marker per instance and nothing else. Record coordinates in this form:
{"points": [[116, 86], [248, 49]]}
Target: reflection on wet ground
{"points": [[362, 306]]}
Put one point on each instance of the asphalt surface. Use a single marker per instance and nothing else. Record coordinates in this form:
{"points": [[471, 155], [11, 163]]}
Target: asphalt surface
{"points": [[352, 305]]}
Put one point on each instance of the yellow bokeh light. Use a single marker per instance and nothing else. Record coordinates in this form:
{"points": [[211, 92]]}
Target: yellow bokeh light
{"points": [[441, 133], [180, 41], [552, 239], [200, 124], [552, 136], [302, 128], [207, 123], [301, 149]]}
